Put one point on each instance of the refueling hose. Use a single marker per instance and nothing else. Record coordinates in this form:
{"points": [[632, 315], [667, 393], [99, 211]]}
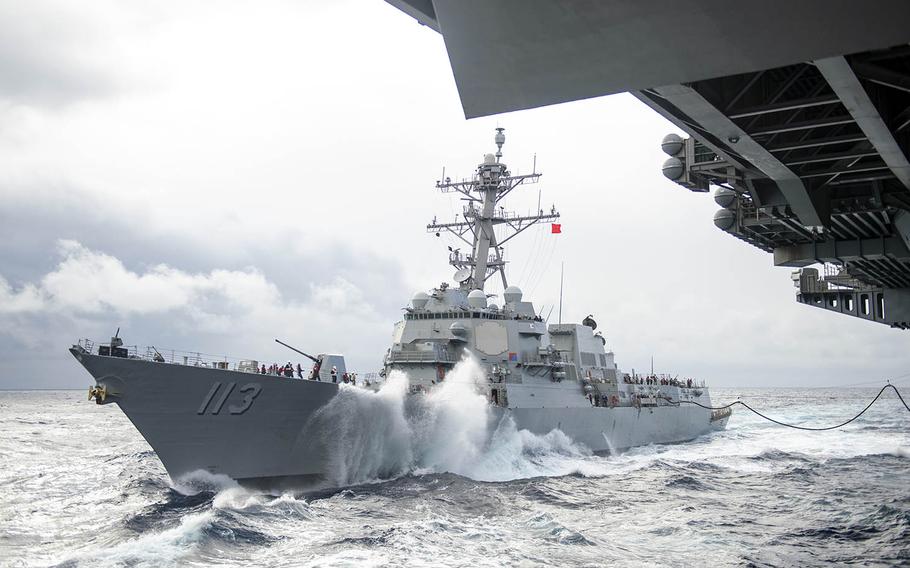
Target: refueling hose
{"points": [[768, 418]]}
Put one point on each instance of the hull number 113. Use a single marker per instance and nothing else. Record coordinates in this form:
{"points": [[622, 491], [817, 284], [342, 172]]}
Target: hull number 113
{"points": [[214, 402]]}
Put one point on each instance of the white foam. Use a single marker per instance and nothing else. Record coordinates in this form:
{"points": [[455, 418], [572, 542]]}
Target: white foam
{"points": [[200, 480], [154, 548], [377, 435], [368, 435]]}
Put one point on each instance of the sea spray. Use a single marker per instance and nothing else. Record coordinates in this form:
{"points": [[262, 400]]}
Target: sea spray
{"points": [[195, 482], [366, 433], [513, 454], [383, 434], [452, 425]]}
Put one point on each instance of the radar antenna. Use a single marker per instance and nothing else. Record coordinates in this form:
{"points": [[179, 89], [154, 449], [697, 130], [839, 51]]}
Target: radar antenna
{"points": [[500, 139], [490, 184]]}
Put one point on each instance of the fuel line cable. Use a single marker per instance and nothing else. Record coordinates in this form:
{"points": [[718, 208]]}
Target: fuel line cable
{"points": [[768, 418]]}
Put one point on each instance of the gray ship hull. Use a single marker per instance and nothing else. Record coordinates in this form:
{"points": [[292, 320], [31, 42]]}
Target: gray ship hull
{"points": [[260, 430], [542, 407], [252, 428], [607, 430]]}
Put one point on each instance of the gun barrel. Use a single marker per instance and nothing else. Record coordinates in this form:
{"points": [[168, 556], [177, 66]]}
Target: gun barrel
{"points": [[307, 355]]}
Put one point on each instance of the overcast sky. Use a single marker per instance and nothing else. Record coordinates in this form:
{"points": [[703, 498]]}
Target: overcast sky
{"points": [[210, 176]]}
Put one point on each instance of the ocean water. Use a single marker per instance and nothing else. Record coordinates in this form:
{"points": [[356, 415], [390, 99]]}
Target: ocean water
{"points": [[80, 487]]}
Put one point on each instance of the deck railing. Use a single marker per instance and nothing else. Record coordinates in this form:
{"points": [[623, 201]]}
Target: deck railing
{"points": [[193, 358], [173, 356]]}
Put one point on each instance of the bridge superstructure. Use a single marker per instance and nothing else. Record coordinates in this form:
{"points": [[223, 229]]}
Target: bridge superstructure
{"points": [[798, 115]]}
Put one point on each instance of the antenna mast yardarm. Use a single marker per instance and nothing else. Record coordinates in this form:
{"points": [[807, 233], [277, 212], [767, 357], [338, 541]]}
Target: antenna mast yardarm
{"points": [[490, 184]]}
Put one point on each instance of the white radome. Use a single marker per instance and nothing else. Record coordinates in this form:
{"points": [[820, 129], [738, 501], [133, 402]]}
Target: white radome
{"points": [[477, 299], [512, 294], [419, 300]]}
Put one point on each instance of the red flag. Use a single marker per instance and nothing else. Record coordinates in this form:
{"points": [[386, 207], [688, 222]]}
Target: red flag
{"points": [[555, 228]]}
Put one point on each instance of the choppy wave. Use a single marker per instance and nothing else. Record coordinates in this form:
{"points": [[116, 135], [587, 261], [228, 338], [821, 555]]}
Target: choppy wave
{"points": [[450, 486]]}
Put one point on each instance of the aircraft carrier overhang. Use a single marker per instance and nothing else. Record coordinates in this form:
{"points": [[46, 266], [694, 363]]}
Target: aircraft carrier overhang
{"points": [[798, 115]]}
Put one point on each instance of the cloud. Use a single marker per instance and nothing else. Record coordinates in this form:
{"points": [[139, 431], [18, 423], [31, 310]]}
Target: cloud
{"points": [[91, 283], [28, 299], [53, 53], [218, 311], [52, 215]]}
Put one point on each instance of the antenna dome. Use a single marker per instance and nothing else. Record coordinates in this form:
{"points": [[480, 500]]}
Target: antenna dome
{"points": [[725, 197], [672, 144], [673, 169], [419, 300], [457, 328], [489, 159], [724, 219], [512, 294], [477, 299]]}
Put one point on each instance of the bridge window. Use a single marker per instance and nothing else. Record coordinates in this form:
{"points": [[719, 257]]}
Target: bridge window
{"points": [[880, 306], [848, 303], [864, 304]]}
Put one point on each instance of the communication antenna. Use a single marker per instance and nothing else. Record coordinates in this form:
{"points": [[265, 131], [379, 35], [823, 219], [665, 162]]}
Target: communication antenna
{"points": [[562, 268], [500, 139], [462, 275], [484, 225]]}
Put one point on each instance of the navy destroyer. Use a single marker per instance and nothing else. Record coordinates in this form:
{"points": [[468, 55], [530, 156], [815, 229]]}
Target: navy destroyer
{"points": [[256, 426]]}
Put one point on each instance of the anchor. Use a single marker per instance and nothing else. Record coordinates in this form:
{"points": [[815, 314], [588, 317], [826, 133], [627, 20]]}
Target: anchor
{"points": [[97, 393]]}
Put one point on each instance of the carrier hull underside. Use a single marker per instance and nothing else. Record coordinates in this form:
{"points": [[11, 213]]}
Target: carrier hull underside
{"points": [[255, 429]]}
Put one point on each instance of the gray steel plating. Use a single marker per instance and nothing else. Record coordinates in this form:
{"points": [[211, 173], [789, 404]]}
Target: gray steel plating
{"points": [[246, 426]]}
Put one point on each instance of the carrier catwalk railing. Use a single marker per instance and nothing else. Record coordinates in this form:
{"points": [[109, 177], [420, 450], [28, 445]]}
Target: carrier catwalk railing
{"points": [[193, 358]]}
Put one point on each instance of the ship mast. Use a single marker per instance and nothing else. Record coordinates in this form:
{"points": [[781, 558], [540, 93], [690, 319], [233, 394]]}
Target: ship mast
{"points": [[491, 183]]}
